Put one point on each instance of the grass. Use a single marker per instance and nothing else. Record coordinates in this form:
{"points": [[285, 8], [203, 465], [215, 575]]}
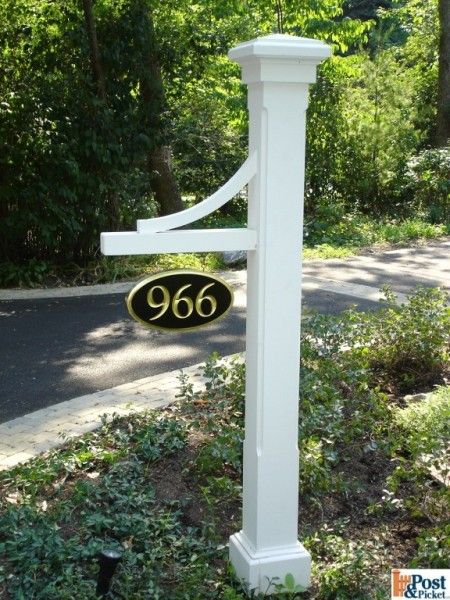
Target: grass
{"points": [[328, 251], [354, 233], [165, 487]]}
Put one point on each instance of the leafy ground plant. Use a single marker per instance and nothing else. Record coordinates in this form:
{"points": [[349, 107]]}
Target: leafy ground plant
{"points": [[344, 234], [105, 269], [165, 487], [404, 348]]}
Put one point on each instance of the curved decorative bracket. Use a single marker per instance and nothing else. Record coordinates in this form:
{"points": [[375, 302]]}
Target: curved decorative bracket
{"points": [[234, 185]]}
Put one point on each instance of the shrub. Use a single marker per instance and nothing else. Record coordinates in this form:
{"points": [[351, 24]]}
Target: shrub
{"points": [[434, 548], [425, 423], [362, 128], [403, 347], [409, 345], [159, 438], [420, 433], [223, 450], [428, 180], [342, 567], [29, 274]]}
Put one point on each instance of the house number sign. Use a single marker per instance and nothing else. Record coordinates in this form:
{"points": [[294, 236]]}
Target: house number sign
{"points": [[179, 300]]}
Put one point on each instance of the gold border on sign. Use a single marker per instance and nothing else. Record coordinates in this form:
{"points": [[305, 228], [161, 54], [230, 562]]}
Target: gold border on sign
{"points": [[141, 284]]}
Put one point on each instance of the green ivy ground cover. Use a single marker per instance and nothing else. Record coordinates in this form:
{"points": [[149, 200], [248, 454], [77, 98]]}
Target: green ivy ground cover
{"points": [[164, 487]]}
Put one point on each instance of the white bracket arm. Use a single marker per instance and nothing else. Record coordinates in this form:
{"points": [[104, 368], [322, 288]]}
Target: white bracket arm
{"points": [[153, 236], [207, 206]]}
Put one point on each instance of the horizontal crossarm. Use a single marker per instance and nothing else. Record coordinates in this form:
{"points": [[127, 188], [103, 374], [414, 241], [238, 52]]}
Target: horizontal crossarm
{"points": [[171, 242]]}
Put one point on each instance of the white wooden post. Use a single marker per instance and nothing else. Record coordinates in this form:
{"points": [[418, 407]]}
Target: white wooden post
{"points": [[277, 70]]}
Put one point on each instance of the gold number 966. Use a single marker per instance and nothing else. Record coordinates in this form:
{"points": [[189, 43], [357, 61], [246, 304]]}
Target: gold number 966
{"points": [[178, 301]]}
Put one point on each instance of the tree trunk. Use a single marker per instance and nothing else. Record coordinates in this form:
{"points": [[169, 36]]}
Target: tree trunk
{"points": [[164, 185], [163, 181], [443, 106], [83, 249], [96, 65]]}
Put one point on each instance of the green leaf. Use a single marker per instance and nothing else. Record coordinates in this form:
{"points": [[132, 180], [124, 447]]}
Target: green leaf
{"points": [[289, 582]]}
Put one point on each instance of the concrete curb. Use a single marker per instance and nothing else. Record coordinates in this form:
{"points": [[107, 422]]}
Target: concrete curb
{"points": [[235, 278], [355, 290], [25, 437], [102, 289]]}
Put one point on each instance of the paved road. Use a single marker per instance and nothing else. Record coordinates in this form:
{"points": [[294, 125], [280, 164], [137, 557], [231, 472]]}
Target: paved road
{"points": [[403, 268], [53, 349]]}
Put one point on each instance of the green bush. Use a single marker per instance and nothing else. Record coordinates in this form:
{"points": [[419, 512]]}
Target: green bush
{"points": [[419, 447], [342, 408], [410, 345], [424, 423], [345, 573], [362, 129], [159, 438], [223, 450], [428, 180], [433, 548], [72, 164], [29, 274], [404, 347]]}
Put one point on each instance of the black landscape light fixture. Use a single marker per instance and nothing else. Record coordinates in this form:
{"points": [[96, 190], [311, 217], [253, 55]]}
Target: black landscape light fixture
{"points": [[108, 561]]}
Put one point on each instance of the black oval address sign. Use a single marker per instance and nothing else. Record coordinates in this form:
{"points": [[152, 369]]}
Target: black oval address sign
{"points": [[179, 300]]}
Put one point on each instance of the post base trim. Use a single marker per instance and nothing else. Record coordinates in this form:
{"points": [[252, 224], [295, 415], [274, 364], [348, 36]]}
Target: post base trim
{"points": [[258, 569]]}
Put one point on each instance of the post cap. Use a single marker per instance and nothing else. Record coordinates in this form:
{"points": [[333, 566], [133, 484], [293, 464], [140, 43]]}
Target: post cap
{"points": [[281, 46], [280, 58]]}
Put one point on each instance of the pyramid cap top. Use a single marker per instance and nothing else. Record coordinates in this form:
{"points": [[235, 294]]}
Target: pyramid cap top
{"points": [[281, 46]]}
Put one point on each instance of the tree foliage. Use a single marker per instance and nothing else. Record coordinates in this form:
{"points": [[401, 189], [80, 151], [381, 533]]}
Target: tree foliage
{"points": [[95, 97], [69, 159]]}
